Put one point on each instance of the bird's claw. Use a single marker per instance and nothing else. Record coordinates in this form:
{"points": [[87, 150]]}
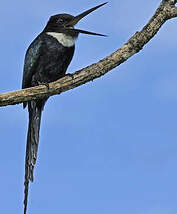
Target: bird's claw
{"points": [[70, 75], [44, 83]]}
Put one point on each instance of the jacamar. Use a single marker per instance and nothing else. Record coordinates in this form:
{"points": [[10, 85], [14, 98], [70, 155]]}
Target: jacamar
{"points": [[46, 60]]}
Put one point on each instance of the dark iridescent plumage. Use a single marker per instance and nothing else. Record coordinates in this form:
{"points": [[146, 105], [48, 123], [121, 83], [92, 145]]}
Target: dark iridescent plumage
{"points": [[46, 60]]}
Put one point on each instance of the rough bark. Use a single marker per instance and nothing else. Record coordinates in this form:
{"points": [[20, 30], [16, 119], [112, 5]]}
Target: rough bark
{"points": [[165, 11]]}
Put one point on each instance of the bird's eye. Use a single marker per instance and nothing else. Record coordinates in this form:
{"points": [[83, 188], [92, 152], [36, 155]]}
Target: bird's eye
{"points": [[60, 21]]}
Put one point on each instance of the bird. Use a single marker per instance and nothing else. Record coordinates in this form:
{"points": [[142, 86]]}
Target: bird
{"points": [[46, 60]]}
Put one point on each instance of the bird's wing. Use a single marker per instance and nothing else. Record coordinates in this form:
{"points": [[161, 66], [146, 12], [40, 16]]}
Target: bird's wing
{"points": [[31, 60]]}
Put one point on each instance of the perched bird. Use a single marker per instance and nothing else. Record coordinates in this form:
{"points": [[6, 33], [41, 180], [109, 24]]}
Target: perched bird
{"points": [[46, 60]]}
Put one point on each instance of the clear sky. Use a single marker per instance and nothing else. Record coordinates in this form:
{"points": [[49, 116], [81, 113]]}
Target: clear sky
{"points": [[109, 146]]}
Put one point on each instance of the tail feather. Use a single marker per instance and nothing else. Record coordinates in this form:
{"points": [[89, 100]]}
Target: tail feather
{"points": [[35, 110]]}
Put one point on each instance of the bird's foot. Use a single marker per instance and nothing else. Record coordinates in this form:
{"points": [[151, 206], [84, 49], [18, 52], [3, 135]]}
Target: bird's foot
{"points": [[44, 83], [70, 75]]}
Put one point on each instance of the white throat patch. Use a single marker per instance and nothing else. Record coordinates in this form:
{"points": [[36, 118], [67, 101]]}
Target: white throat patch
{"points": [[65, 40]]}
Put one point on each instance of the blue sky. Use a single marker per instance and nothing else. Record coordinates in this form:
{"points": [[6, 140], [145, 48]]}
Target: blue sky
{"points": [[109, 146]]}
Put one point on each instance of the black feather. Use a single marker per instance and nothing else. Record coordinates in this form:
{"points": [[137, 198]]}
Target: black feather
{"points": [[46, 61]]}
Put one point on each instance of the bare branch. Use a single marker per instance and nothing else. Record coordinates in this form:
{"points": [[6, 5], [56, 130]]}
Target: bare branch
{"points": [[171, 2], [173, 12], [166, 10]]}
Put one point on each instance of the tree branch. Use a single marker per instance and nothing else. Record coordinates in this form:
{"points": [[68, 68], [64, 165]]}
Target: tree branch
{"points": [[165, 11]]}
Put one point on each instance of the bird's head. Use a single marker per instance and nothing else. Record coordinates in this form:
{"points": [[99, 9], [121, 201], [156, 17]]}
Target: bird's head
{"points": [[64, 23]]}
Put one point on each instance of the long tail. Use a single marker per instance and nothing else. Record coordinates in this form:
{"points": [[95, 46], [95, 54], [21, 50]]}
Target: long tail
{"points": [[35, 109]]}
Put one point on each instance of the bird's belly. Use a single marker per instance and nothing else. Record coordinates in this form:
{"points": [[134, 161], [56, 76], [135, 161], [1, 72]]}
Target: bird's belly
{"points": [[51, 67]]}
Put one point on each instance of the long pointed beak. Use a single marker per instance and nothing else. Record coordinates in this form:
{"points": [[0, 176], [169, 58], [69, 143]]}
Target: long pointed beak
{"points": [[77, 31], [77, 18]]}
